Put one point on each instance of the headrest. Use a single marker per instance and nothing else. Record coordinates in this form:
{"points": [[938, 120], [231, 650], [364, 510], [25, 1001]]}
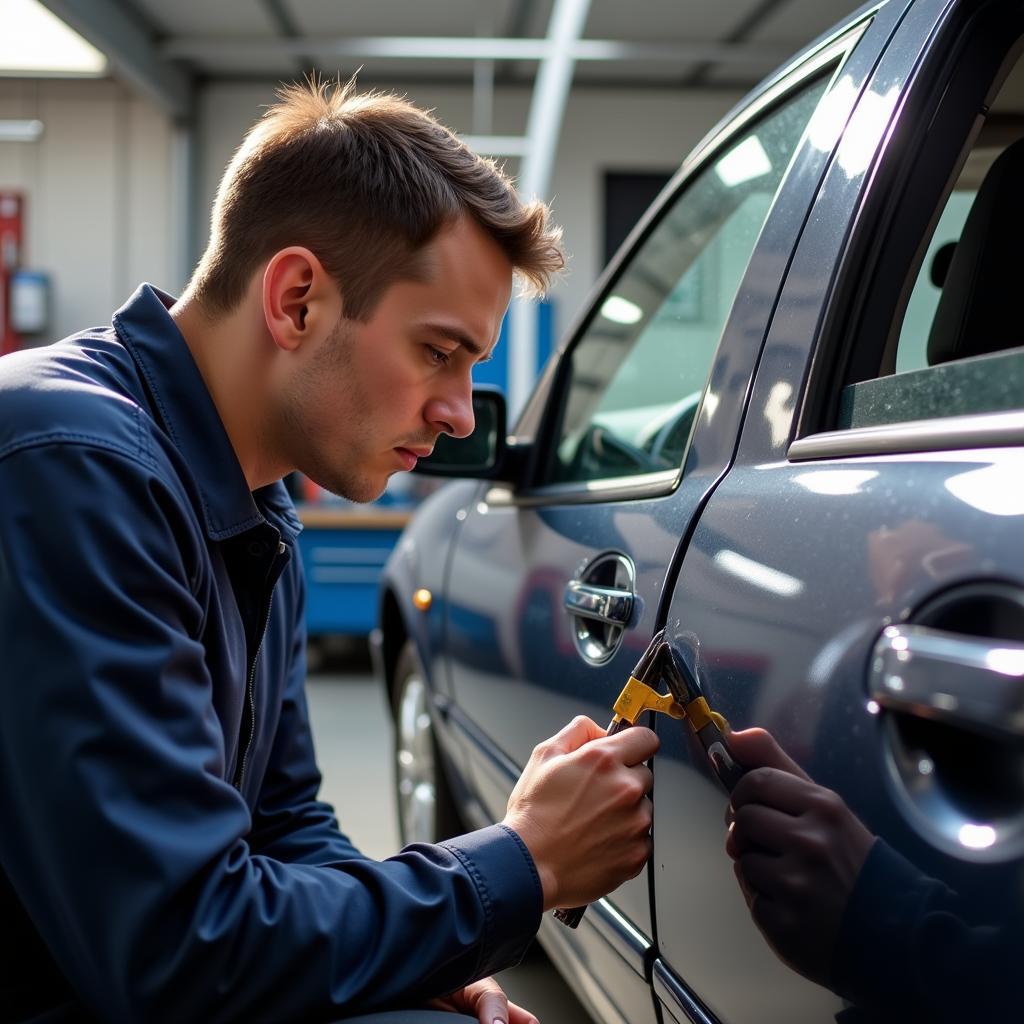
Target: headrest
{"points": [[940, 263], [979, 310]]}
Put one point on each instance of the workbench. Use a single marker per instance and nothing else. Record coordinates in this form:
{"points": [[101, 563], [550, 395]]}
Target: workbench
{"points": [[343, 551]]}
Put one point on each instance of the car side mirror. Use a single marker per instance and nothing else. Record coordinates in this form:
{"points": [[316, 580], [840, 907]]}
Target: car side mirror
{"points": [[483, 455]]}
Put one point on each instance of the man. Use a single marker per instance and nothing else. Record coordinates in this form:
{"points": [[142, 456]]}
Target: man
{"points": [[164, 855]]}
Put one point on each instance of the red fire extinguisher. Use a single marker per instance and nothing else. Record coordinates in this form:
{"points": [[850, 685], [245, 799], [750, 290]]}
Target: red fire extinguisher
{"points": [[11, 226]]}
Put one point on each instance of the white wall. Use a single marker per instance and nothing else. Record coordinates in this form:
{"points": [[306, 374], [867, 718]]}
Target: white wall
{"points": [[101, 192], [98, 194], [603, 130]]}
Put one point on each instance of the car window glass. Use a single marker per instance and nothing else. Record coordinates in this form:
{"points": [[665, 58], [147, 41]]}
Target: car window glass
{"points": [[912, 348], [959, 347], [639, 370]]}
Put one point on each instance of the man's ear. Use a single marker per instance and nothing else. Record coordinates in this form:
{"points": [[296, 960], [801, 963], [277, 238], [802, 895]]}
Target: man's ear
{"points": [[300, 299]]}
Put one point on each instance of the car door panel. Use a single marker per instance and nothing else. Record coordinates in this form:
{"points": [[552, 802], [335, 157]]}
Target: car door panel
{"points": [[811, 690], [792, 574], [516, 553], [517, 565]]}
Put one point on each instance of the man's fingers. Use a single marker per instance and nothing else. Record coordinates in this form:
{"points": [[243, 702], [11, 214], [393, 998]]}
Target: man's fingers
{"points": [[756, 748], [489, 1002], [764, 829], [518, 1015], [492, 1008], [644, 776], [748, 892], [759, 873], [633, 746], [772, 787], [575, 734]]}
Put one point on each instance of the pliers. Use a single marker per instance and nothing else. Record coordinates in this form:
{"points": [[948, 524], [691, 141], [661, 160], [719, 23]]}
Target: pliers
{"points": [[683, 701]]}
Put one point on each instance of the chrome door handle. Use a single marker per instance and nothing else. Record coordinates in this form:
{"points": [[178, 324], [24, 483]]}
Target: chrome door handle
{"points": [[970, 682], [602, 604]]}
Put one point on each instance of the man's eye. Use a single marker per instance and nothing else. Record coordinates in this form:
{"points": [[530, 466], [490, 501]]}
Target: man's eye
{"points": [[439, 356]]}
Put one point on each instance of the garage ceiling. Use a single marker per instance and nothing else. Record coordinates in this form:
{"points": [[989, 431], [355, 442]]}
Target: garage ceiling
{"points": [[647, 43]]}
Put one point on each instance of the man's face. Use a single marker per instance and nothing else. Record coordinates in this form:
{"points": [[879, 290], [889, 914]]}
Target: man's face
{"points": [[374, 396]]}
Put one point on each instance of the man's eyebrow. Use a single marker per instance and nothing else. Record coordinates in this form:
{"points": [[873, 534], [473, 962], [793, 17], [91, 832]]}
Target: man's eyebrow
{"points": [[462, 338]]}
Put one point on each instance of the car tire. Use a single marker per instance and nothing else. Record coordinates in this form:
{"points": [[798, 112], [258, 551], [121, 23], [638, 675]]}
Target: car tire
{"points": [[426, 808]]}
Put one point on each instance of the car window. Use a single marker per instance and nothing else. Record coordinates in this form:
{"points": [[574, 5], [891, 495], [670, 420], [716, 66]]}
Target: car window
{"points": [[960, 347], [638, 371]]}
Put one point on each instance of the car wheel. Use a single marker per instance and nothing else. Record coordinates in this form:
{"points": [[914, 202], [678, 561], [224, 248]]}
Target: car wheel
{"points": [[426, 810]]}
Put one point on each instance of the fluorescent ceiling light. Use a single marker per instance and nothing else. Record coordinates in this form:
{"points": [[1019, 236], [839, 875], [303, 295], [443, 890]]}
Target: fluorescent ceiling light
{"points": [[621, 310], [748, 160], [35, 42], [20, 131]]}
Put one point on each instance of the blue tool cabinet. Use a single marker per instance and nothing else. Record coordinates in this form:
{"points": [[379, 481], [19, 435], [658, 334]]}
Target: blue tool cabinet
{"points": [[343, 552]]}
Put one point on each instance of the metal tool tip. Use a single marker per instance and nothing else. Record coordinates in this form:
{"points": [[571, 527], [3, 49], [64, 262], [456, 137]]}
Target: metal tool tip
{"points": [[680, 680]]}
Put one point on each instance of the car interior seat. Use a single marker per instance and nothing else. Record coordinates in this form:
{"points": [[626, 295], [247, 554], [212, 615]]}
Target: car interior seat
{"points": [[979, 309]]}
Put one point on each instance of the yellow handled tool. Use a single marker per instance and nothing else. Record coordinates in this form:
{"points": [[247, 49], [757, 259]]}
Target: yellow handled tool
{"points": [[684, 700]]}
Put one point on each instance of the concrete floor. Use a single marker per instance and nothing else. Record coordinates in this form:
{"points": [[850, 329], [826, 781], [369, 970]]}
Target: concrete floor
{"points": [[353, 739]]}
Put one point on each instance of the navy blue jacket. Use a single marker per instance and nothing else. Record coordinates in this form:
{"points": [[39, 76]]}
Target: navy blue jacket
{"points": [[163, 853]]}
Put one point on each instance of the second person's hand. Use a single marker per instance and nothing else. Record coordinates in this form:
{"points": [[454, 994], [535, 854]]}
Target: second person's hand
{"points": [[797, 851]]}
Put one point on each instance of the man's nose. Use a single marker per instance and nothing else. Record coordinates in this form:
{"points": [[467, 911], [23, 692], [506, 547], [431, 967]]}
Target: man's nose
{"points": [[452, 413]]}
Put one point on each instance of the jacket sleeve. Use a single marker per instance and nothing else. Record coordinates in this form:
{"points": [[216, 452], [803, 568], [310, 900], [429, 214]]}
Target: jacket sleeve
{"points": [[910, 950], [129, 850]]}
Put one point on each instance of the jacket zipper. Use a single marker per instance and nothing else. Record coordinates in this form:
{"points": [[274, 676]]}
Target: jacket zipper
{"points": [[250, 690], [250, 701]]}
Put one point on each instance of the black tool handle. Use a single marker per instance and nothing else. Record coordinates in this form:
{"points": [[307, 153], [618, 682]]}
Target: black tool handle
{"points": [[571, 916]]}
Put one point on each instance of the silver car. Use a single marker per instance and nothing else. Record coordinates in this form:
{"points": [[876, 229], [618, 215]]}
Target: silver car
{"points": [[789, 430]]}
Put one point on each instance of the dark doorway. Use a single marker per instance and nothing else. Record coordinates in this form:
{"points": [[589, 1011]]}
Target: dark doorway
{"points": [[626, 196]]}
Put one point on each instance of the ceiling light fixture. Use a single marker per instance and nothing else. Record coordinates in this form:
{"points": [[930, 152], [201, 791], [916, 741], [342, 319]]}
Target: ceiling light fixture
{"points": [[36, 43], [20, 131]]}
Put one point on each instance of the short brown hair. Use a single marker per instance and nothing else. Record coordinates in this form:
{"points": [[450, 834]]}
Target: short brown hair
{"points": [[364, 181]]}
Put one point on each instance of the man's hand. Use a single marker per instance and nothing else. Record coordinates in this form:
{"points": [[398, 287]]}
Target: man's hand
{"points": [[580, 806], [487, 1001], [798, 850]]}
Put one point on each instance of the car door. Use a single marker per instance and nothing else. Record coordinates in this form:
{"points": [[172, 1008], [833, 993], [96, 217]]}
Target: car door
{"points": [[565, 576], [856, 583]]}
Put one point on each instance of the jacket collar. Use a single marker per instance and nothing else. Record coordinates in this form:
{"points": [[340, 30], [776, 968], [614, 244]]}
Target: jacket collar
{"points": [[191, 420]]}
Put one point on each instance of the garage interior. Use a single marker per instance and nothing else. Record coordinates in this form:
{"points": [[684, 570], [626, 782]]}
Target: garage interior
{"points": [[115, 129]]}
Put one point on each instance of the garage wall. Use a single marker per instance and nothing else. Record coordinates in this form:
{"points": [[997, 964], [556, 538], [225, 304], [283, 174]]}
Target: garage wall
{"points": [[98, 188], [101, 190], [603, 130]]}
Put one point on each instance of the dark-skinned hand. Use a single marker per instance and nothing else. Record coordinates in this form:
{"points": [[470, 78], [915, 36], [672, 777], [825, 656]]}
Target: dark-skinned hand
{"points": [[797, 851]]}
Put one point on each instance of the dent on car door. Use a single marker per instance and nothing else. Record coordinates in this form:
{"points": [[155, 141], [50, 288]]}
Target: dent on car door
{"points": [[856, 583], [637, 435]]}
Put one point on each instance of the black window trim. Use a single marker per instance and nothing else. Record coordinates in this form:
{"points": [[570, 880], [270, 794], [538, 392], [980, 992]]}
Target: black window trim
{"points": [[834, 49], [820, 393]]}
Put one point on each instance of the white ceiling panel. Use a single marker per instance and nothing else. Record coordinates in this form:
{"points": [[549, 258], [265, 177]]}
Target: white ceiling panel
{"points": [[800, 20], [273, 69], [715, 43], [631, 72], [206, 17], [401, 18], [694, 20], [725, 76]]}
